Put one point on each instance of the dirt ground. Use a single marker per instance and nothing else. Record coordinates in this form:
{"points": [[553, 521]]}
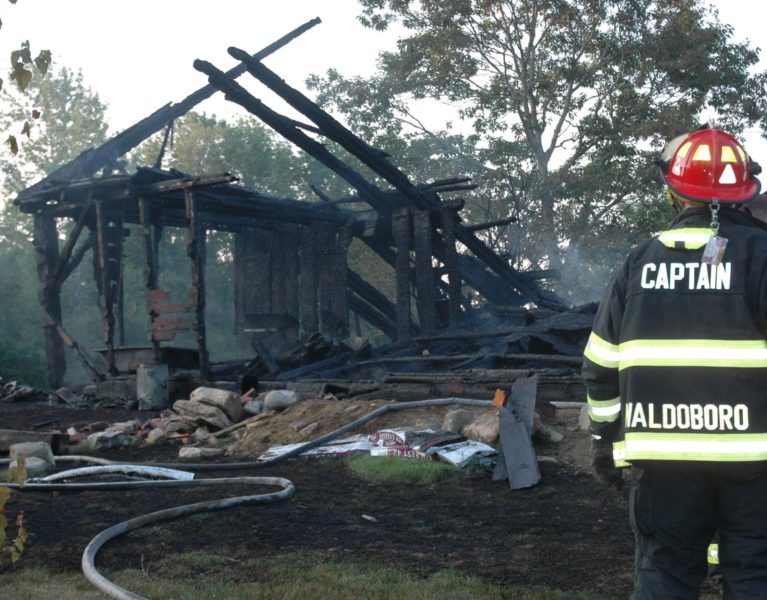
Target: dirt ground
{"points": [[568, 532]]}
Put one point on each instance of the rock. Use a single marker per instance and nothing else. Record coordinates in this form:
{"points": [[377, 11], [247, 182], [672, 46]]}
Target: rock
{"points": [[178, 426], [40, 450], [201, 434], [227, 401], [90, 390], [254, 407], [455, 420], [156, 436], [108, 439], [196, 453], [202, 413], [280, 399], [309, 429], [483, 429], [36, 466]]}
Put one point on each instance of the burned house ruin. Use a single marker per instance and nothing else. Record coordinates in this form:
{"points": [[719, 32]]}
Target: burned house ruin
{"points": [[295, 254]]}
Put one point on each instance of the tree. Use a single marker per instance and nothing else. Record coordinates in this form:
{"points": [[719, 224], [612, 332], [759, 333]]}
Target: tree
{"points": [[572, 99], [71, 120]]}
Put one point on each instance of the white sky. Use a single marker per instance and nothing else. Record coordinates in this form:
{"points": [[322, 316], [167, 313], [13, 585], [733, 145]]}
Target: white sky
{"points": [[137, 55]]}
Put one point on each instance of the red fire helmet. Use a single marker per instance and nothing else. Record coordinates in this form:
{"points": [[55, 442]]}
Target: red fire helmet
{"points": [[709, 164]]}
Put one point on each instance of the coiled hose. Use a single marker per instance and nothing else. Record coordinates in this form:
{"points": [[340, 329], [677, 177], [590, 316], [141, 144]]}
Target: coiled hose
{"points": [[181, 478]]}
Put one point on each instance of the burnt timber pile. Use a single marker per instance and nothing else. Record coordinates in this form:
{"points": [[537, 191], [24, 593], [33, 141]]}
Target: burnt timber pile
{"points": [[462, 321]]}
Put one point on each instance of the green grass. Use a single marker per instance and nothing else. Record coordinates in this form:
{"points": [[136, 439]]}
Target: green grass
{"points": [[198, 576], [394, 469]]}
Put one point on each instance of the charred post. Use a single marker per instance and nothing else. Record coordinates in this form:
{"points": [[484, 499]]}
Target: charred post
{"points": [[47, 256], [401, 229], [150, 242], [196, 251], [307, 274], [424, 272]]}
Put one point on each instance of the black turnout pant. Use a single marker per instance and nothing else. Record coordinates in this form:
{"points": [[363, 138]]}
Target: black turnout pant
{"points": [[675, 510]]}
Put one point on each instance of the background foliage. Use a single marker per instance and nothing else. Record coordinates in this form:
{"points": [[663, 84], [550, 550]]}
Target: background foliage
{"points": [[557, 111]]}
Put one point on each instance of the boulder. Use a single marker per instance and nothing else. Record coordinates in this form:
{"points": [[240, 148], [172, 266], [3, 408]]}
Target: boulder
{"points": [[156, 436], [41, 450], [227, 401], [280, 399], [202, 414], [36, 466], [108, 439], [201, 434], [197, 453], [254, 407], [483, 429], [455, 420]]}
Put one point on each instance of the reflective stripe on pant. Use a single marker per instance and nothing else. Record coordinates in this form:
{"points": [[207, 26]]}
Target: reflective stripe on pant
{"points": [[675, 510]]}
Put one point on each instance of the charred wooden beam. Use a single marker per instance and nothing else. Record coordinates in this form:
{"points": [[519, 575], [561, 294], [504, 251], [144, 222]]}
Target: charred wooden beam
{"points": [[105, 259], [332, 128], [452, 267], [372, 315], [92, 160], [196, 249], [150, 243], [401, 228], [47, 257], [340, 283], [88, 363], [372, 296], [490, 224], [69, 245], [424, 274], [75, 260], [308, 282], [286, 271], [282, 125]]}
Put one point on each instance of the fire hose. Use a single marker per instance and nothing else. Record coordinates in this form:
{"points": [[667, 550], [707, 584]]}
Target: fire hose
{"points": [[172, 477]]}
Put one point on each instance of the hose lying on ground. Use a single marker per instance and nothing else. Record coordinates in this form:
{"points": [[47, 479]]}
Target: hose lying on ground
{"points": [[52, 483]]}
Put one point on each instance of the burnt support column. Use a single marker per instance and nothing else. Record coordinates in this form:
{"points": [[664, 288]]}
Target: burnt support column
{"points": [[308, 281], [47, 256], [340, 305], [401, 232], [454, 283], [150, 262], [195, 249], [105, 262], [424, 272], [284, 269], [325, 251]]}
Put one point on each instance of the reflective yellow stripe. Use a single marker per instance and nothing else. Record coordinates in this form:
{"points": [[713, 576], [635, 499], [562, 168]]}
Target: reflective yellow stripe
{"points": [[749, 354], [602, 352], [619, 454], [693, 353], [692, 237], [692, 446], [604, 411], [713, 554]]}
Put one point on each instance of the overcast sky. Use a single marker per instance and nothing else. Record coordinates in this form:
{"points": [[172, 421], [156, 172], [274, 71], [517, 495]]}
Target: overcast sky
{"points": [[137, 55]]}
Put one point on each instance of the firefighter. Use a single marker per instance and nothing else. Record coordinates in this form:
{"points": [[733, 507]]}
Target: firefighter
{"points": [[676, 375]]}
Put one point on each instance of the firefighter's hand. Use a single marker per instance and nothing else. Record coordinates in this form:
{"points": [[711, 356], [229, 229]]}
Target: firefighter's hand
{"points": [[603, 464]]}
